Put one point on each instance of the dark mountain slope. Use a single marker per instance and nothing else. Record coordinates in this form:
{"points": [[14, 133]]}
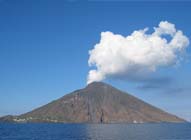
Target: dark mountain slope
{"points": [[97, 103]]}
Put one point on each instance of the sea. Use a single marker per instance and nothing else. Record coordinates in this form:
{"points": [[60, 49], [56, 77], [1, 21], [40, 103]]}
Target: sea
{"points": [[59, 131]]}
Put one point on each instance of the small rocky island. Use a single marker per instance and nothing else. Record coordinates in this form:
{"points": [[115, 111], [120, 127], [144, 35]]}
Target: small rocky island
{"points": [[96, 103]]}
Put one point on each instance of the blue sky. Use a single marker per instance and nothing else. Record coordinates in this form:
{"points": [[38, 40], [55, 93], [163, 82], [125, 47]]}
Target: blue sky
{"points": [[44, 50]]}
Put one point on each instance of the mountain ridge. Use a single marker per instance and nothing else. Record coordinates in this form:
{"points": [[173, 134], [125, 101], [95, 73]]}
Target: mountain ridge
{"points": [[96, 103]]}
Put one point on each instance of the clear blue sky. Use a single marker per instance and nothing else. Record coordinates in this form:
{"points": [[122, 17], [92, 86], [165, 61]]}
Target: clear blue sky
{"points": [[44, 50]]}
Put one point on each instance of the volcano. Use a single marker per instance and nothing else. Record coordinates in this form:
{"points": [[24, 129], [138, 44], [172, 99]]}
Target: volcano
{"points": [[96, 103]]}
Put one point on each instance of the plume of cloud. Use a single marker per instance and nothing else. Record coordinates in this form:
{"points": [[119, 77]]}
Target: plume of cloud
{"points": [[137, 54]]}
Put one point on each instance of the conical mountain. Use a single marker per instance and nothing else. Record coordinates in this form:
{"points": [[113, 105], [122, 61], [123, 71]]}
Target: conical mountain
{"points": [[98, 103]]}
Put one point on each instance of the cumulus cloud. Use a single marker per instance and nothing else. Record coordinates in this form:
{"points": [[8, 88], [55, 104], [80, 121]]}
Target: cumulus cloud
{"points": [[138, 54]]}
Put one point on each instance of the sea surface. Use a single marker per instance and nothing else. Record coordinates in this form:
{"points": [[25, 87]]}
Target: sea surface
{"points": [[48, 131]]}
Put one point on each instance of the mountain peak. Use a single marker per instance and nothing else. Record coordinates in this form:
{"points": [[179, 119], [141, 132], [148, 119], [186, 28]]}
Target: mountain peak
{"points": [[100, 89], [97, 83]]}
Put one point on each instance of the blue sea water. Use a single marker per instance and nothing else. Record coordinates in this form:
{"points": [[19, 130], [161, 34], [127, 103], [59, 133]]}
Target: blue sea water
{"points": [[45, 131]]}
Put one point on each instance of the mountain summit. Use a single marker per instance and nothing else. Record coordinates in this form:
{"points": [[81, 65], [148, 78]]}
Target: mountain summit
{"points": [[96, 103]]}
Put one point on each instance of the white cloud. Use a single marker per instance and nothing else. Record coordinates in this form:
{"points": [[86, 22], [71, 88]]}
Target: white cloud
{"points": [[139, 53]]}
